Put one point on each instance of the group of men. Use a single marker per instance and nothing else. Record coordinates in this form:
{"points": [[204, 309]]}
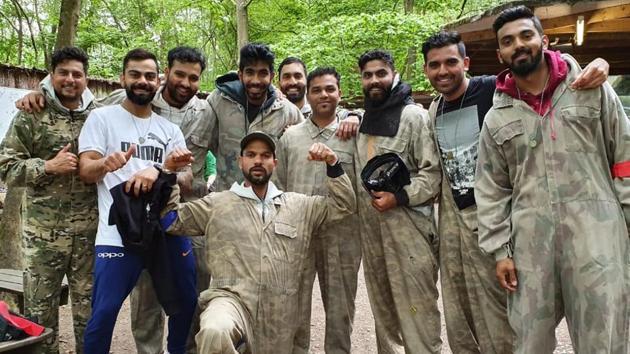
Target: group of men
{"points": [[525, 167]]}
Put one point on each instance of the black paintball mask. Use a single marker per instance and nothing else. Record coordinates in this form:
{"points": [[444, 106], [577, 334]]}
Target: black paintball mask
{"points": [[385, 173]]}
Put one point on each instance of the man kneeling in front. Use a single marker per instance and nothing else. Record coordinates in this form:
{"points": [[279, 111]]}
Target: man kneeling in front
{"points": [[258, 237]]}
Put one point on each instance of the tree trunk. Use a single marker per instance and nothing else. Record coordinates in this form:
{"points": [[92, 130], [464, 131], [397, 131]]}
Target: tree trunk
{"points": [[411, 51], [242, 24], [20, 34], [68, 21], [11, 230], [45, 43], [29, 23], [408, 6]]}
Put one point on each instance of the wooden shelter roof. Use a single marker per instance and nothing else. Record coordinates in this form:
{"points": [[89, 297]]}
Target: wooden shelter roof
{"points": [[29, 78], [606, 34]]}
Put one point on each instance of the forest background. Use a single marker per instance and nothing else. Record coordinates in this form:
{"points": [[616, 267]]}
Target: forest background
{"points": [[321, 32]]}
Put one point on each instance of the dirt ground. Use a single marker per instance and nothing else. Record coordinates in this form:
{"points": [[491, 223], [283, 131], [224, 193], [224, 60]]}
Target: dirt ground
{"points": [[363, 337]]}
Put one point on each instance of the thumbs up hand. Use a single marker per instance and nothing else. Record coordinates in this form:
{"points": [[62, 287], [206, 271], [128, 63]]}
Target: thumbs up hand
{"points": [[63, 163], [118, 159]]}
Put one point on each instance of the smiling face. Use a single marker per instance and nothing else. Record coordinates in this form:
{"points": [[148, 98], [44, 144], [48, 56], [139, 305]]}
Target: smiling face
{"points": [[446, 70], [182, 82], [293, 82], [377, 79], [257, 162], [69, 81], [324, 95], [256, 78], [521, 46], [140, 81]]}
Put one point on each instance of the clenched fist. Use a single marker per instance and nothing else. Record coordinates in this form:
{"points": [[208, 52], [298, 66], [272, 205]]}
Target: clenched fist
{"points": [[321, 152], [178, 158]]}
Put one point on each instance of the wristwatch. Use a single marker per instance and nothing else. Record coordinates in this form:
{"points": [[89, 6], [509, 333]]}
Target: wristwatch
{"points": [[163, 169]]}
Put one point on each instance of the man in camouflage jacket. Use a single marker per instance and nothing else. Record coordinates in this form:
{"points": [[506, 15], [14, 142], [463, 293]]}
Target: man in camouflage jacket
{"points": [[60, 214]]}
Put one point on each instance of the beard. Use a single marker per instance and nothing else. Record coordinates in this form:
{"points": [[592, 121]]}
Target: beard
{"points": [[260, 95], [140, 99], [257, 180], [297, 96], [528, 66], [175, 95], [376, 99]]}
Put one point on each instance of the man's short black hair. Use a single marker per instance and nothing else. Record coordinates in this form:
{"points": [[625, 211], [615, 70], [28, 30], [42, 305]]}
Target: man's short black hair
{"points": [[291, 60], [443, 39], [69, 53], [376, 54], [254, 52], [185, 54], [139, 54], [326, 70], [516, 13]]}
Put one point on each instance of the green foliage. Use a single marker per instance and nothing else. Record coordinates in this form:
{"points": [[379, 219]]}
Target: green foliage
{"points": [[340, 40], [322, 32]]}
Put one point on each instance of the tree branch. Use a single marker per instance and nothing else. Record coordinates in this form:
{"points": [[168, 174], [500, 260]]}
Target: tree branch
{"points": [[9, 21], [30, 27], [461, 11], [43, 37], [118, 24]]}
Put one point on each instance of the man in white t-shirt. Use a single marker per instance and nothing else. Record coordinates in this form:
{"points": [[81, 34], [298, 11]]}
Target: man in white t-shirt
{"points": [[123, 144]]}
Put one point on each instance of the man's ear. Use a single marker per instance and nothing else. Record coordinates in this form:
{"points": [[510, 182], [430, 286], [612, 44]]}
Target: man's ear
{"points": [[166, 72], [466, 63], [545, 41], [499, 57]]}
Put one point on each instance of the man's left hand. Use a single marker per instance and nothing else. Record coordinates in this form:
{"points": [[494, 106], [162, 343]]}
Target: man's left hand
{"points": [[594, 75], [348, 127], [383, 201], [142, 181]]}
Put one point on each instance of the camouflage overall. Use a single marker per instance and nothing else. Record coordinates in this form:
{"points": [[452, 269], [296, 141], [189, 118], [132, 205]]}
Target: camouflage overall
{"points": [[400, 246], [335, 253], [544, 189], [252, 302], [475, 306]]}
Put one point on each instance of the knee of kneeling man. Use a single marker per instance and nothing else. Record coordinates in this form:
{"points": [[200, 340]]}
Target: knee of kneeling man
{"points": [[216, 326]]}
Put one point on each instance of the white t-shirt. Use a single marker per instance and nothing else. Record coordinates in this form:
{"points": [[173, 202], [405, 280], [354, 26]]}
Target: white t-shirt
{"points": [[110, 129]]}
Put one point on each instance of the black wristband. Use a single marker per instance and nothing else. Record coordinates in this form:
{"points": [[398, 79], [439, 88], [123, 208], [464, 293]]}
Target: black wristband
{"points": [[335, 170], [402, 199], [171, 177]]}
